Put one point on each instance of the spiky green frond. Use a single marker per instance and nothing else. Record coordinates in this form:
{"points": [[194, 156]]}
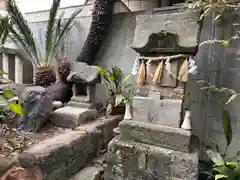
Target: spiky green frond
{"points": [[51, 27], [66, 27], [25, 37], [4, 23], [56, 31], [18, 39]]}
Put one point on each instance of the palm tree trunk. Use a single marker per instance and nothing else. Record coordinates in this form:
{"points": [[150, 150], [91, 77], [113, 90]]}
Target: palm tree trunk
{"points": [[101, 20]]}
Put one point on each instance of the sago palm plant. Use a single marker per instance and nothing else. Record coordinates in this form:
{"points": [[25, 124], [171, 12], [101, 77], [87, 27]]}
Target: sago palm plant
{"points": [[4, 23], [56, 31]]}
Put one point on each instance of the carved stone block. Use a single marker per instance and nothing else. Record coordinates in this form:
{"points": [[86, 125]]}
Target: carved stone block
{"points": [[143, 161], [167, 112], [141, 107], [166, 137]]}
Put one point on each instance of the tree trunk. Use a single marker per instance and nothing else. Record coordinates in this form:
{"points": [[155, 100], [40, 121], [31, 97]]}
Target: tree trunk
{"points": [[101, 20]]}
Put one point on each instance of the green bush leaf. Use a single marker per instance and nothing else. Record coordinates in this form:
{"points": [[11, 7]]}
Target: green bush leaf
{"points": [[237, 169], [220, 176], [225, 43], [231, 98], [226, 123], [1, 73], [8, 94], [215, 157], [232, 165], [17, 108]]}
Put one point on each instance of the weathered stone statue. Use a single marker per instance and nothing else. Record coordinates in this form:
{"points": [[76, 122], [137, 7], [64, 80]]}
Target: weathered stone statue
{"points": [[152, 145], [38, 108]]}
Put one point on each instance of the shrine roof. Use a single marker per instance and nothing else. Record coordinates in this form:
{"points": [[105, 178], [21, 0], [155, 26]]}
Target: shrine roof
{"points": [[171, 29]]}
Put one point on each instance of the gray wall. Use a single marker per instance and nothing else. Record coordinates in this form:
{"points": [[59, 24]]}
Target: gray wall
{"points": [[215, 65], [219, 66]]}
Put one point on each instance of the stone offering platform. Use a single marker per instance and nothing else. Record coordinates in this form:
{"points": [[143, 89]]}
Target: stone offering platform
{"points": [[71, 116]]}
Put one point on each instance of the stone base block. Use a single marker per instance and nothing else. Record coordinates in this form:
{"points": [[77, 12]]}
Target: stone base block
{"points": [[165, 112], [64, 155], [157, 135], [132, 161], [57, 105], [71, 117], [80, 99]]}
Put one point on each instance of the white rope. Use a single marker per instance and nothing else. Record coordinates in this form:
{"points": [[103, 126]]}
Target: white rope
{"points": [[161, 57]]}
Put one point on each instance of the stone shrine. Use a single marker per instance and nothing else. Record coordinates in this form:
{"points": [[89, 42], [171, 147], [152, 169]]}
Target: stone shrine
{"points": [[152, 146], [83, 77], [82, 107]]}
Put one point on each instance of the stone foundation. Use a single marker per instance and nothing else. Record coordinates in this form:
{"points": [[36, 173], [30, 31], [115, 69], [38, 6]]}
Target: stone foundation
{"points": [[136, 161]]}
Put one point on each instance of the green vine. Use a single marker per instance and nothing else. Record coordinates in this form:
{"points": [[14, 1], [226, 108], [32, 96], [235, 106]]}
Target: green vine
{"points": [[220, 7]]}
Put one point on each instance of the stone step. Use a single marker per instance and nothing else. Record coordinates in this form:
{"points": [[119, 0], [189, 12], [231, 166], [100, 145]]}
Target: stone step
{"points": [[141, 161], [80, 104], [79, 98], [91, 172], [71, 117], [157, 135], [63, 155]]}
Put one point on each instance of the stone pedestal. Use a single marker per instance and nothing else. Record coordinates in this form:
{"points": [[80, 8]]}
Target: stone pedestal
{"points": [[157, 149], [152, 146], [137, 161]]}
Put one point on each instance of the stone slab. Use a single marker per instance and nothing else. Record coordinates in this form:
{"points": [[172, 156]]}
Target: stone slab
{"points": [[134, 161], [157, 135], [141, 107], [64, 155], [166, 112], [157, 111], [71, 117], [78, 98], [80, 104], [93, 171], [88, 173], [105, 126]]}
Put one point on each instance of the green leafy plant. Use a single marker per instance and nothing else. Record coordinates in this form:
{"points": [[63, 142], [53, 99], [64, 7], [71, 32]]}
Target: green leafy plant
{"points": [[120, 90], [220, 167], [227, 95], [208, 6], [9, 102]]}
